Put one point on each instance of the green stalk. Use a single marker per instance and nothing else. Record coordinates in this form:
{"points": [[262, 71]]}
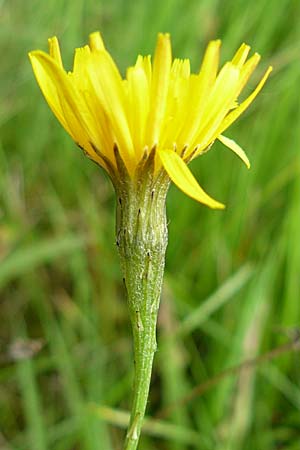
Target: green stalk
{"points": [[142, 241]]}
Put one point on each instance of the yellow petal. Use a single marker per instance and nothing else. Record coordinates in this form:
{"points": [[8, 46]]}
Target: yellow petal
{"points": [[106, 136], [241, 56], [233, 115], [64, 100], [180, 174], [81, 81], [109, 89], [200, 89], [47, 86], [223, 92], [247, 71], [235, 148], [177, 102], [220, 102], [210, 63], [79, 74], [144, 63], [54, 50], [159, 87], [96, 41], [138, 97]]}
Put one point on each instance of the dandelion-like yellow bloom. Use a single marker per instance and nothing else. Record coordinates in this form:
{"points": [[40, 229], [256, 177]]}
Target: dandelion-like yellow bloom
{"points": [[159, 107]]}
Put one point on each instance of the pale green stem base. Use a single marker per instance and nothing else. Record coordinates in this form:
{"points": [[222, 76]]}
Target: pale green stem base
{"points": [[142, 241]]}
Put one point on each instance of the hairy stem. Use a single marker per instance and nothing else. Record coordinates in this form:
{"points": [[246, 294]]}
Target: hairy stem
{"points": [[142, 242]]}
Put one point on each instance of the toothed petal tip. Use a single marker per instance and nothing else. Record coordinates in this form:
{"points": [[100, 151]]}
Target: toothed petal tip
{"points": [[95, 41]]}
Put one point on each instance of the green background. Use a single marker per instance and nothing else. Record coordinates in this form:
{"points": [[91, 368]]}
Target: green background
{"points": [[232, 288]]}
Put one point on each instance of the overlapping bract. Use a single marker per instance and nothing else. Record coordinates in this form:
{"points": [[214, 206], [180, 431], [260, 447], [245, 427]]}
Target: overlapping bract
{"points": [[158, 105]]}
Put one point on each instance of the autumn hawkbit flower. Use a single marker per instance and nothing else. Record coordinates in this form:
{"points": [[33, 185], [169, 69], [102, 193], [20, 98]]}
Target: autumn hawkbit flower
{"points": [[144, 130]]}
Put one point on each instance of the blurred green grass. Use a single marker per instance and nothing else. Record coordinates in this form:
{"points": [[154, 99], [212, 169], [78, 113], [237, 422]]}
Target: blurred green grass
{"points": [[232, 277]]}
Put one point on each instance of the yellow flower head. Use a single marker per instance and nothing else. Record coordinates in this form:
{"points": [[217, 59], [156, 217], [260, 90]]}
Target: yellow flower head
{"points": [[160, 107]]}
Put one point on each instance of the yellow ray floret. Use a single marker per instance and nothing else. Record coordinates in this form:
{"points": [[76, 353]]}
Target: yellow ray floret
{"points": [[181, 175], [159, 105]]}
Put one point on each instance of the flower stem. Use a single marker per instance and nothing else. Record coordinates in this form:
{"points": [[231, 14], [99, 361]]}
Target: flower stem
{"points": [[142, 242]]}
